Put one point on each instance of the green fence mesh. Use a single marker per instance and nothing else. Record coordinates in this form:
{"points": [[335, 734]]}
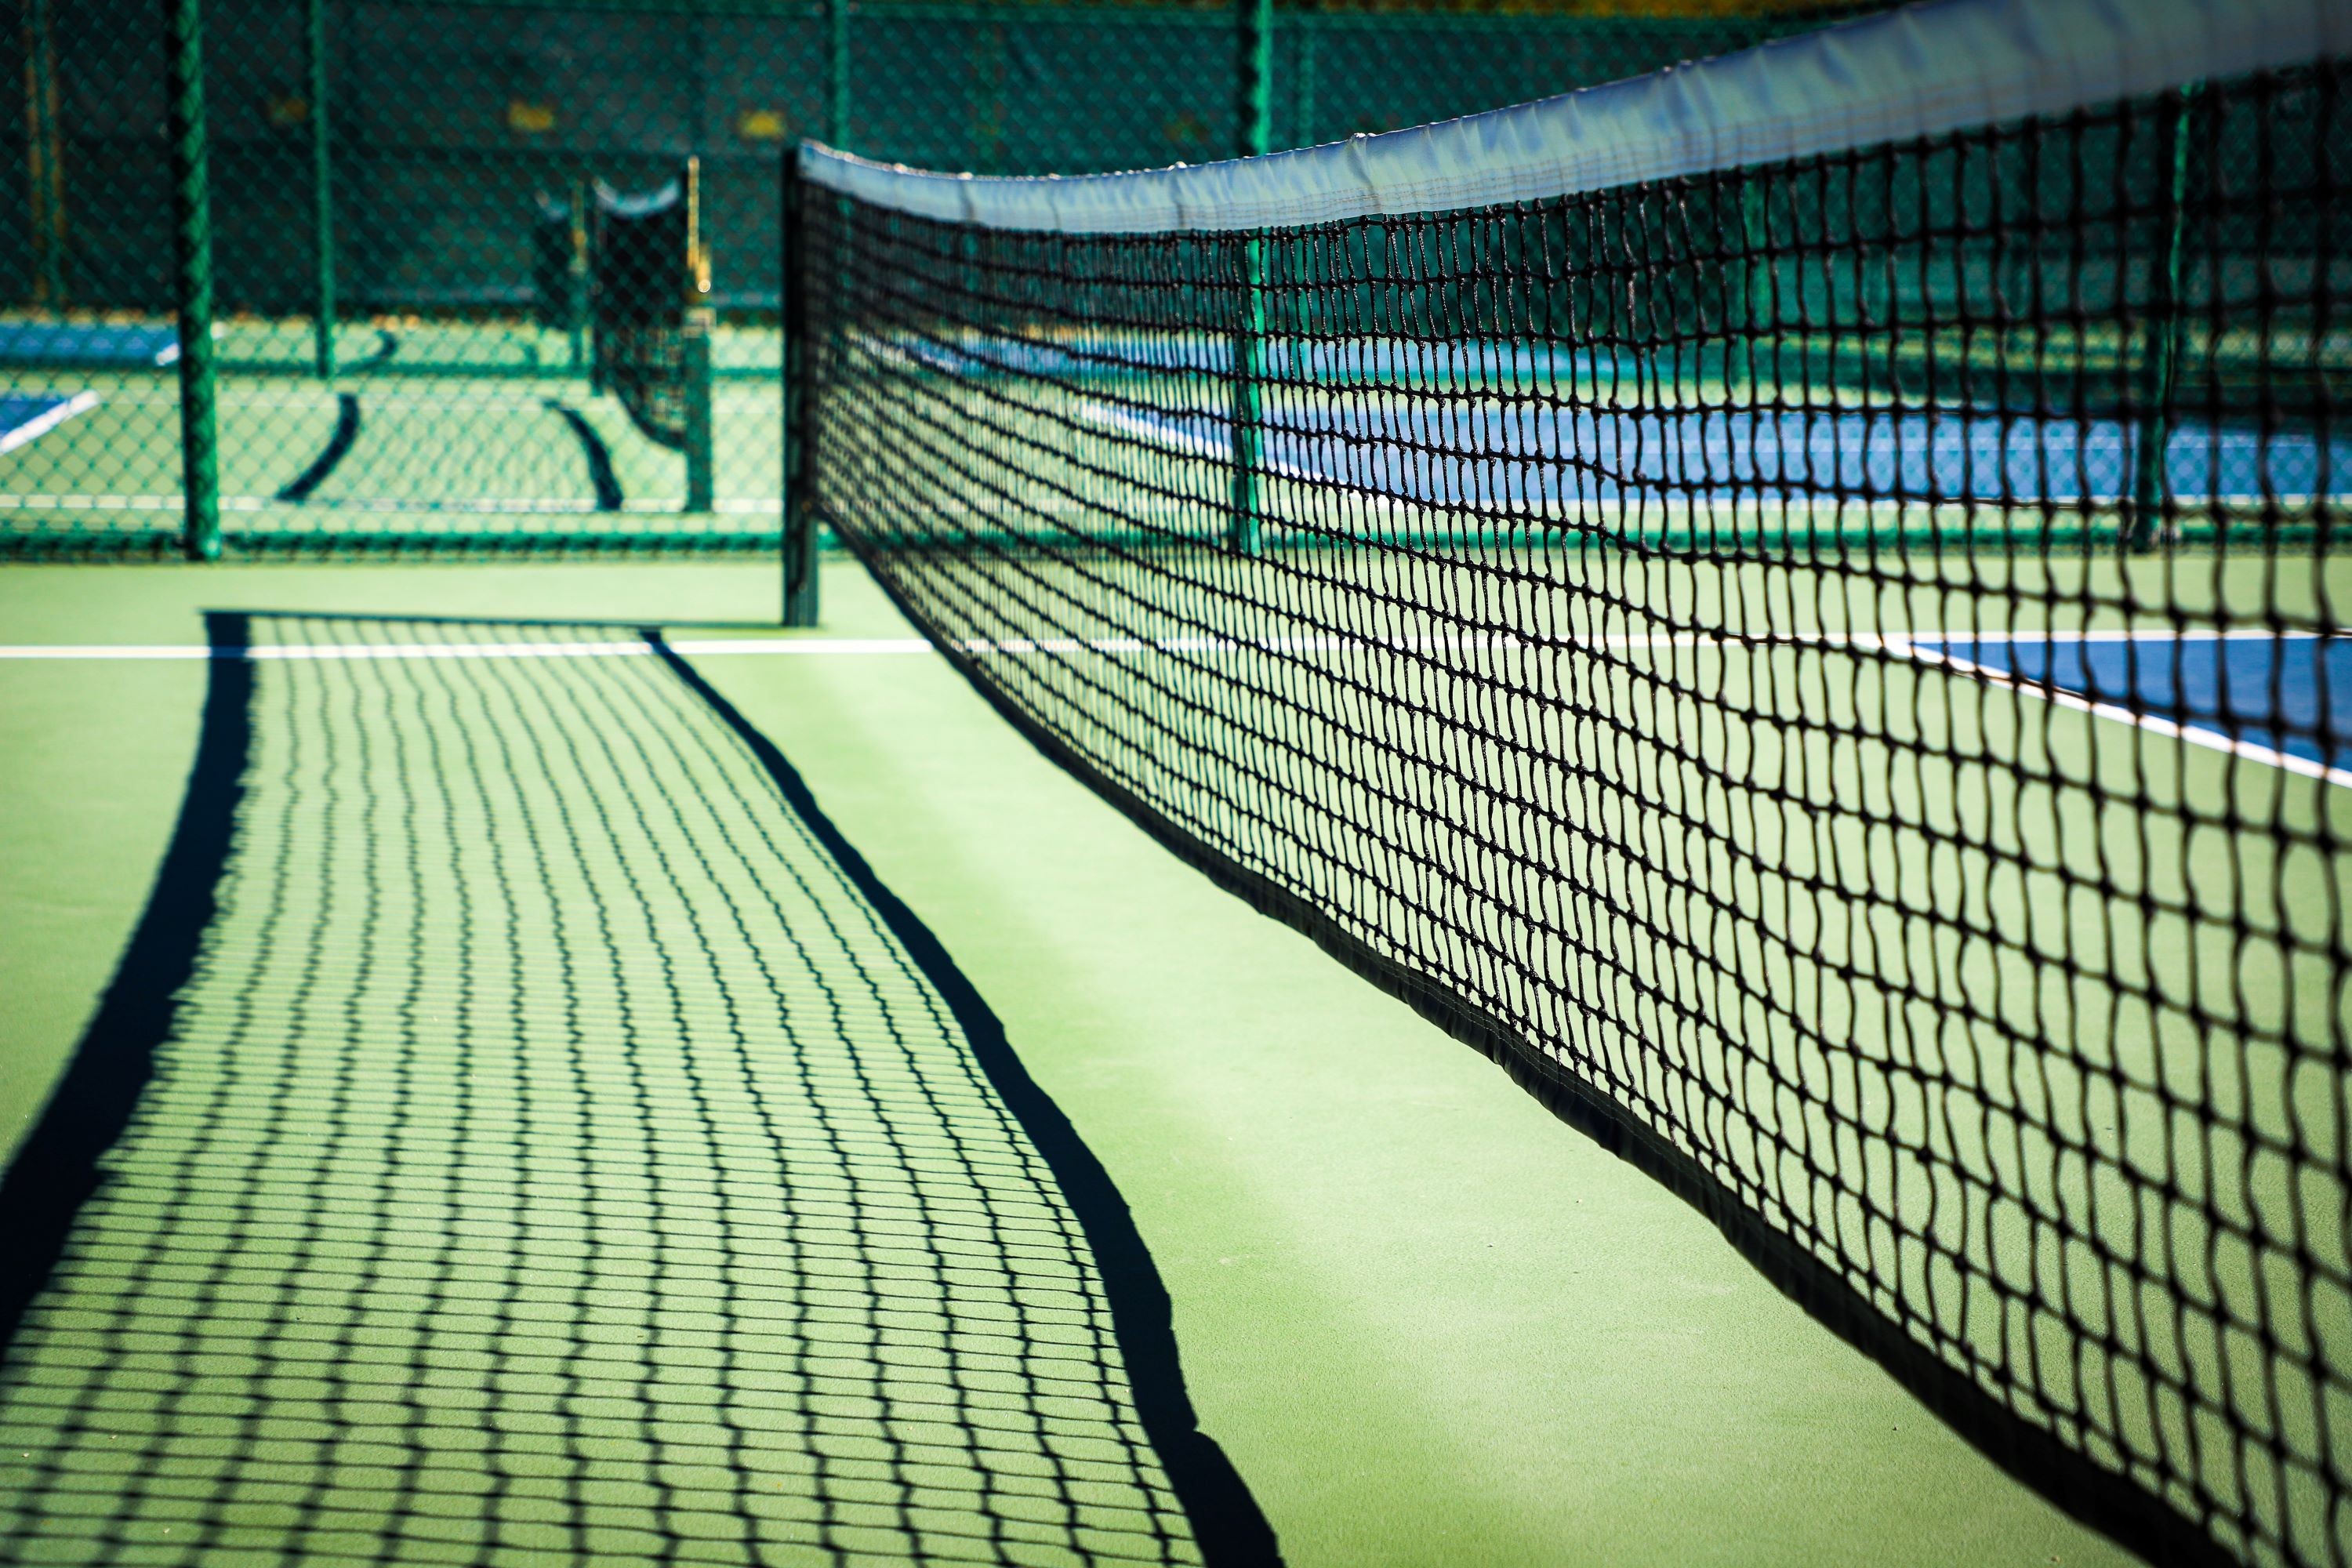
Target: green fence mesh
{"points": [[403, 356]]}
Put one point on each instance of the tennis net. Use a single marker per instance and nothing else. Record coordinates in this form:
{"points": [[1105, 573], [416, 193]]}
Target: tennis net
{"points": [[1793, 602], [648, 278]]}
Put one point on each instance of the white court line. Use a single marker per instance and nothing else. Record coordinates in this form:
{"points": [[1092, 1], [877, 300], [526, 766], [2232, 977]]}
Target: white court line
{"points": [[1185, 441], [740, 506], [1902, 645], [2194, 734], [333, 652], [47, 420]]}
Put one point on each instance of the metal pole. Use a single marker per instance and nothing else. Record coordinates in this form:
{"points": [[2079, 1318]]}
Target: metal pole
{"points": [[836, 72], [193, 278], [700, 324], [575, 279], [590, 255], [800, 502], [1255, 59], [1255, 75], [322, 188], [699, 483], [2160, 347]]}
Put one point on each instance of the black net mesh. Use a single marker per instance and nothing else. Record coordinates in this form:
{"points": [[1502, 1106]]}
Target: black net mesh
{"points": [[642, 267], [1828, 670]]}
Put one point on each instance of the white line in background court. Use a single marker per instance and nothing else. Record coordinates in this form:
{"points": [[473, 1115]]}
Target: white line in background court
{"points": [[633, 647], [1898, 646]]}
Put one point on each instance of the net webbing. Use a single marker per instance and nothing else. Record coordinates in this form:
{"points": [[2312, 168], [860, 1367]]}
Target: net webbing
{"points": [[1828, 668], [642, 261]]}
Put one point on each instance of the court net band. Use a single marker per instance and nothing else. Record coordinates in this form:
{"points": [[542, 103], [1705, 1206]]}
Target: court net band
{"points": [[1794, 602]]}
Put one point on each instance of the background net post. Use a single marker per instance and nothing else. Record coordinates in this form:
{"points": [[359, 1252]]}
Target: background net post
{"points": [[192, 279], [575, 275], [322, 184], [791, 305], [698, 324]]}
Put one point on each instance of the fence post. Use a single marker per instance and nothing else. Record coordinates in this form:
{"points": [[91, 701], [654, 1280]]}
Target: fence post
{"points": [[1255, 75], [322, 187], [191, 246], [699, 487], [699, 320], [800, 502], [836, 73], [2160, 345]]}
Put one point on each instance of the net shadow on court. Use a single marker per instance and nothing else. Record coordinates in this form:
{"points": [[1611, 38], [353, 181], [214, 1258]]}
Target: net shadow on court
{"points": [[522, 1126]]}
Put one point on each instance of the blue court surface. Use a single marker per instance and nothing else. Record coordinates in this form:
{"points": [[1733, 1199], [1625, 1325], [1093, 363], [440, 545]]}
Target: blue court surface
{"points": [[1488, 452], [2289, 695], [1522, 449], [26, 416], [90, 345]]}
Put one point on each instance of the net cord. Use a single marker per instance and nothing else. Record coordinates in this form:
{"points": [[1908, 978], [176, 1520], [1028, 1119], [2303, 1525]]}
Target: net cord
{"points": [[1923, 71]]}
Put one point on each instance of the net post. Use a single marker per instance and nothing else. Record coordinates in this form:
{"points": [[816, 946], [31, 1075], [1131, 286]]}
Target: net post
{"points": [[192, 245], [575, 279], [800, 571], [836, 72], [322, 188], [2160, 343], [594, 224]]}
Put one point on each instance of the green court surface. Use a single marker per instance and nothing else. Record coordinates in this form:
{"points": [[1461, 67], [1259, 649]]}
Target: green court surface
{"points": [[483, 1198], [428, 429]]}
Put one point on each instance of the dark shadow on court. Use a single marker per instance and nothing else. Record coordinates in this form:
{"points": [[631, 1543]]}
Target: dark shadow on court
{"points": [[521, 1123]]}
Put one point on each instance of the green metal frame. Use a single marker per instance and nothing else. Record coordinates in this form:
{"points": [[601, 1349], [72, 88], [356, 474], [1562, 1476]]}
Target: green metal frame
{"points": [[2161, 344], [192, 279], [322, 185], [836, 73], [1254, 44]]}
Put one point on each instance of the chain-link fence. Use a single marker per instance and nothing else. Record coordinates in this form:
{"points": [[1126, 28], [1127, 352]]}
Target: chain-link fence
{"points": [[391, 203]]}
